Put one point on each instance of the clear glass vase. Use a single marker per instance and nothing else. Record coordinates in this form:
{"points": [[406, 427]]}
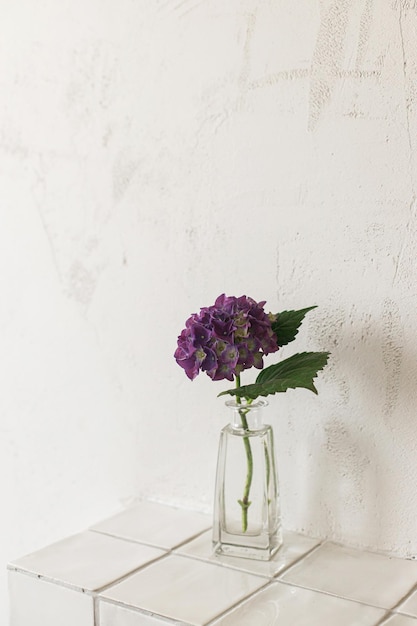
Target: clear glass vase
{"points": [[246, 511]]}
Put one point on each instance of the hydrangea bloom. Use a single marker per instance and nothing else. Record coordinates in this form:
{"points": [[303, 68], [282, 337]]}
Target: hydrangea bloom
{"points": [[224, 339]]}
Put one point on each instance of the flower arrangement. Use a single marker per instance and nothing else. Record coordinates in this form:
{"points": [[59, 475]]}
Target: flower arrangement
{"points": [[236, 334]]}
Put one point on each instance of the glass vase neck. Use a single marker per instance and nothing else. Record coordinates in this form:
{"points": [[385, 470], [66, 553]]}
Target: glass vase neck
{"points": [[245, 415]]}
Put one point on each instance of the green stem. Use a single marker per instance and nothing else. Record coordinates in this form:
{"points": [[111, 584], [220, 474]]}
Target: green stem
{"points": [[268, 468], [245, 502]]}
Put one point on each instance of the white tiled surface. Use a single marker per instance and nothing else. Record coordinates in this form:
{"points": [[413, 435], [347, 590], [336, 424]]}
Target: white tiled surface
{"points": [[287, 606], [113, 576], [155, 524], [88, 560], [294, 547], [185, 589], [362, 576]]}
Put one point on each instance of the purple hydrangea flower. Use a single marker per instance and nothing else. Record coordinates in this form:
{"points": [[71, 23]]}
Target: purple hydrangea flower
{"points": [[226, 338]]}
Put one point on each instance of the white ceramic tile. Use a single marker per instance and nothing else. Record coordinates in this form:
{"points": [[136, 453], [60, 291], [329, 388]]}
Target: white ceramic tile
{"points": [[185, 589], [283, 605], [35, 602], [114, 615], [409, 606], [293, 548], [156, 524], [88, 560], [363, 576], [400, 620]]}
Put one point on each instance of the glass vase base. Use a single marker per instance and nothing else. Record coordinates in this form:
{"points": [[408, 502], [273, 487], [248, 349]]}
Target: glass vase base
{"points": [[230, 547]]}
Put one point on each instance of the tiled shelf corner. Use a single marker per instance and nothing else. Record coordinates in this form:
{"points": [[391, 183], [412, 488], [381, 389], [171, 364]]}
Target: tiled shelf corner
{"points": [[58, 584], [152, 565], [87, 561]]}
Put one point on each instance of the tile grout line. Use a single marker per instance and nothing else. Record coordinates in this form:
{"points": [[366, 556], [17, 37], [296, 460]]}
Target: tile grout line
{"points": [[287, 568], [207, 560], [271, 577], [266, 578], [404, 598], [96, 609], [384, 618], [192, 557], [239, 603], [128, 540], [388, 612], [52, 581], [134, 571], [134, 609], [332, 595], [393, 609], [183, 543], [181, 556], [82, 590], [148, 544], [96, 593]]}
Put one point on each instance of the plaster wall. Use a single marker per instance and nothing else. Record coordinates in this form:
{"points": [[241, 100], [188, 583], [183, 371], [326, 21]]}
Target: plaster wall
{"points": [[154, 154]]}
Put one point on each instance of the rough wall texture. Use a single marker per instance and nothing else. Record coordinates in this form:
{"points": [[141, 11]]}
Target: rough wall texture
{"points": [[155, 153]]}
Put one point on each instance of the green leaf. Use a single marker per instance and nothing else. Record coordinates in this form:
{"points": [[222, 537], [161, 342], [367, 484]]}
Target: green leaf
{"points": [[298, 370], [287, 324]]}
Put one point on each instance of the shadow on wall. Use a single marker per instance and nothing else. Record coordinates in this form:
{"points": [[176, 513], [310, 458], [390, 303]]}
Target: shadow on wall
{"points": [[369, 434]]}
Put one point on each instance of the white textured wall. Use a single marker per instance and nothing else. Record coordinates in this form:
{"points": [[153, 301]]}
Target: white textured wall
{"points": [[155, 153]]}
